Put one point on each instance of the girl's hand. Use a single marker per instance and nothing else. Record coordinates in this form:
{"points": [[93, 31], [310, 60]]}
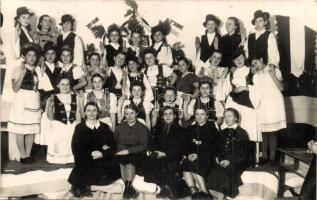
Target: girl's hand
{"points": [[192, 157], [105, 147], [17, 31], [197, 43], [186, 99], [271, 69], [122, 152], [224, 163], [312, 146], [160, 154], [50, 101], [96, 155], [217, 160]]}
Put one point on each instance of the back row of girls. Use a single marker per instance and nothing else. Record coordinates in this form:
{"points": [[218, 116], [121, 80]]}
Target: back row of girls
{"points": [[144, 81]]}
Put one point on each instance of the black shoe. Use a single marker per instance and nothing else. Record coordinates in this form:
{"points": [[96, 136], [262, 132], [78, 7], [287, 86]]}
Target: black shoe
{"points": [[77, 192], [30, 160], [195, 196], [24, 161], [126, 192], [263, 161], [163, 194], [87, 192], [133, 193]]}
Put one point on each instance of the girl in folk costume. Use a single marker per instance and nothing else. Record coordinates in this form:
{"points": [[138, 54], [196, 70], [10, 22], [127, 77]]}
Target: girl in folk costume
{"points": [[94, 67], [63, 109], [204, 99], [136, 39], [262, 43], [158, 75], [144, 107], [209, 42], [168, 100], [43, 33], [199, 147], [74, 72], [159, 43], [164, 155], [106, 101], [94, 147], [114, 45], [230, 41], [134, 74], [213, 70], [115, 75], [132, 141], [22, 29], [231, 158], [269, 103], [25, 111], [236, 88], [70, 39]]}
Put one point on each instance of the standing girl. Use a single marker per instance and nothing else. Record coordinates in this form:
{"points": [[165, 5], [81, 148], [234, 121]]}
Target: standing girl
{"points": [[25, 113], [268, 98], [199, 148], [22, 29], [43, 34], [136, 48], [114, 47], [63, 109], [262, 43]]}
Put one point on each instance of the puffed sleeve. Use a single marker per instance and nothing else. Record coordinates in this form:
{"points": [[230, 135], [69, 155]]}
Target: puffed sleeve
{"points": [[148, 106], [165, 56], [219, 109], [167, 71], [78, 72], [273, 53], [148, 89], [113, 103], [78, 52], [16, 73], [191, 107]]}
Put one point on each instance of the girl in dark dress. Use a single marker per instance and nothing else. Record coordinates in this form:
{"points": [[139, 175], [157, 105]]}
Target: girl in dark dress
{"points": [[231, 158], [114, 45], [199, 149], [231, 41], [132, 140], [164, 155], [93, 146]]}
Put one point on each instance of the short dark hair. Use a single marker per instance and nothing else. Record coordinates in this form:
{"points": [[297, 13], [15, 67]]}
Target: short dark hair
{"points": [[169, 108], [97, 75], [170, 88], [62, 77], [94, 54], [235, 113], [91, 103]]}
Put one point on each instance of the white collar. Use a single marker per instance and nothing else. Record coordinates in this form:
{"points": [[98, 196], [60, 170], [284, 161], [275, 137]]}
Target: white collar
{"points": [[65, 34], [29, 67], [92, 126], [234, 126], [137, 101], [115, 45], [204, 101], [258, 33], [211, 34], [157, 45], [66, 69], [169, 104], [201, 124], [51, 66]]}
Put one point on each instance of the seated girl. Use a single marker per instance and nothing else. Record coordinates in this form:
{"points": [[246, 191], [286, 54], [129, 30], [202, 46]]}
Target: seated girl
{"points": [[63, 109], [135, 74], [137, 99], [231, 158], [94, 147], [132, 141], [162, 164], [106, 101], [206, 100], [199, 147], [74, 72]]}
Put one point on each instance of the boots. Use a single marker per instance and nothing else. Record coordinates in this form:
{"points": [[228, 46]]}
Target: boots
{"points": [[126, 191], [131, 191]]}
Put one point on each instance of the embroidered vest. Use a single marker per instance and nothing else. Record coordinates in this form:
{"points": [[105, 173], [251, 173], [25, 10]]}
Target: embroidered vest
{"points": [[60, 112]]}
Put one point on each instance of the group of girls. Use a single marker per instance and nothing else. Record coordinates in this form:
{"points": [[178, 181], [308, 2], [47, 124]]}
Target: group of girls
{"points": [[133, 110]]}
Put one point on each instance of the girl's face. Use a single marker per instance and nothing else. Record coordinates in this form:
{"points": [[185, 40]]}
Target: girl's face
{"points": [[91, 112], [204, 90], [215, 59], [30, 57], [239, 61], [46, 23], [133, 66], [97, 83], [67, 26], [168, 116], [211, 26], [137, 92], [230, 26], [64, 86], [50, 56], [94, 61], [182, 66], [66, 57], [257, 64], [260, 23], [230, 119], [24, 20], [130, 115], [149, 59], [119, 60], [114, 36], [169, 96], [158, 36], [136, 39], [201, 116]]}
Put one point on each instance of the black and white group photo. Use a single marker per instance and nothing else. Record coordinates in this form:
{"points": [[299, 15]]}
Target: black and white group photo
{"points": [[136, 99]]}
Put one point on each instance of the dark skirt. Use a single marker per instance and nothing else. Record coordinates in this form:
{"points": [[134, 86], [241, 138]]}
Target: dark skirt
{"points": [[242, 98], [199, 166], [225, 180], [102, 172]]}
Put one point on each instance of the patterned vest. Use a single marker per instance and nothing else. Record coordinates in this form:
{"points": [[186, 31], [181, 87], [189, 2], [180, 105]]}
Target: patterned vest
{"points": [[60, 112]]}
